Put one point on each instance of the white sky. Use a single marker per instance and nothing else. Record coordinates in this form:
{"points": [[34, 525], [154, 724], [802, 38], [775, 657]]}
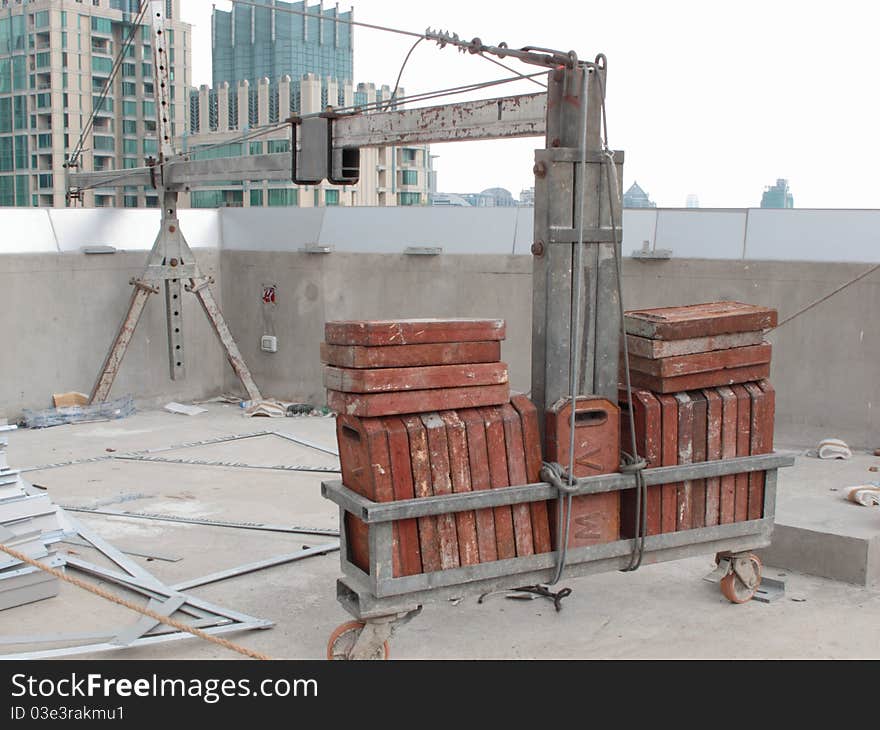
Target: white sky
{"points": [[717, 99]]}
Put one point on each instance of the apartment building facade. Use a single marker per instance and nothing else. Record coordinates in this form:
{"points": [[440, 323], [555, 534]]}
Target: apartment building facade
{"points": [[55, 59], [219, 118]]}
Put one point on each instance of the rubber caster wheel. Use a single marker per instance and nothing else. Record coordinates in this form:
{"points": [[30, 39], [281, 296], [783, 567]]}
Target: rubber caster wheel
{"points": [[343, 639], [735, 589]]}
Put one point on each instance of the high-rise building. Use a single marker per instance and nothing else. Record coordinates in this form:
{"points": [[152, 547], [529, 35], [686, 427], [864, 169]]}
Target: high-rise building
{"points": [[778, 195], [635, 197], [55, 58], [250, 43], [218, 117]]}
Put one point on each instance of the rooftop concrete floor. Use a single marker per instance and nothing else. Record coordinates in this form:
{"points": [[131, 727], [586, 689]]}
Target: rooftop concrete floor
{"points": [[662, 610]]}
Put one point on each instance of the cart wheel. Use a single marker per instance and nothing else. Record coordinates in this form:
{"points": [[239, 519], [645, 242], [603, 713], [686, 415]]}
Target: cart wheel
{"points": [[343, 639], [734, 589]]}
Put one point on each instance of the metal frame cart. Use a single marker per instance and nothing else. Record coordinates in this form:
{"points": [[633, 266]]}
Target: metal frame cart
{"points": [[576, 186]]}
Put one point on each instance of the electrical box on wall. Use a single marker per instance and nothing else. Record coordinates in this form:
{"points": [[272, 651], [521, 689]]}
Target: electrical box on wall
{"points": [[269, 343]]}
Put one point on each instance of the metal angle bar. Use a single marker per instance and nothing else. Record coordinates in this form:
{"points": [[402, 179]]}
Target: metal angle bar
{"points": [[152, 555], [373, 512], [101, 636], [259, 565], [304, 442], [145, 623], [112, 178], [211, 523], [144, 641], [165, 591], [504, 117], [275, 166], [235, 464]]}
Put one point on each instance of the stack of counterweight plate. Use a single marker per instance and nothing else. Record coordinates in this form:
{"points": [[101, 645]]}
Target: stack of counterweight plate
{"points": [[28, 524], [424, 409], [673, 349], [700, 393]]}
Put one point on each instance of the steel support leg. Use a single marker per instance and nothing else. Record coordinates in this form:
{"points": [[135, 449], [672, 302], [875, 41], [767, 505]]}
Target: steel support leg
{"points": [[218, 323], [120, 344]]}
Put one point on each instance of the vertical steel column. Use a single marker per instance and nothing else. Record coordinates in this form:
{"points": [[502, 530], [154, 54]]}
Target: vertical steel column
{"points": [[560, 178], [174, 251]]}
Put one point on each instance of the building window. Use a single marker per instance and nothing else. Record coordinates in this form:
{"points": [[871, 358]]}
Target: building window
{"points": [[331, 197], [43, 60], [409, 198], [7, 191], [151, 147], [129, 108], [129, 146], [104, 105], [278, 145], [409, 177], [256, 198], [256, 148], [45, 181], [148, 108], [129, 126], [104, 143], [101, 25], [129, 88], [101, 64], [6, 157], [129, 162], [129, 70], [6, 114], [130, 201], [282, 196]]}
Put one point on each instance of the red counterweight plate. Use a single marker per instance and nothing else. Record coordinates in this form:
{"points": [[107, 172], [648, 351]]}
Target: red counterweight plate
{"points": [[713, 453], [684, 491], [465, 522], [407, 356], [504, 533], [516, 471], [669, 457], [429, 538], [402, 482], [743, 445], [478, 459], [532, 442], [698, 486], [728, 451], [441, 483]]}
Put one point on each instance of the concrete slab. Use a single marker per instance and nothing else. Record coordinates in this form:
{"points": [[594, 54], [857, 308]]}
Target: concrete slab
{"points": [[821, 533], [655, 612]]}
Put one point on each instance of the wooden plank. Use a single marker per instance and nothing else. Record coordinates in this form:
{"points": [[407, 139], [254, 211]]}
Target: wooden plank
{"points": [[528, 415], [728, 451], [595, 518], [373, 333], [429, 538], [756, 446], [700, 380], [402, 484], [380, 380], [465, 522], [713, 453], [441, 483], [684, 490], [669, 457], [416, 401], [654, 349], [516, 471], [698, 320], [478, 459], [407, 356], [743, 438], [498, 478], [670, 367], [698, 486]]}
